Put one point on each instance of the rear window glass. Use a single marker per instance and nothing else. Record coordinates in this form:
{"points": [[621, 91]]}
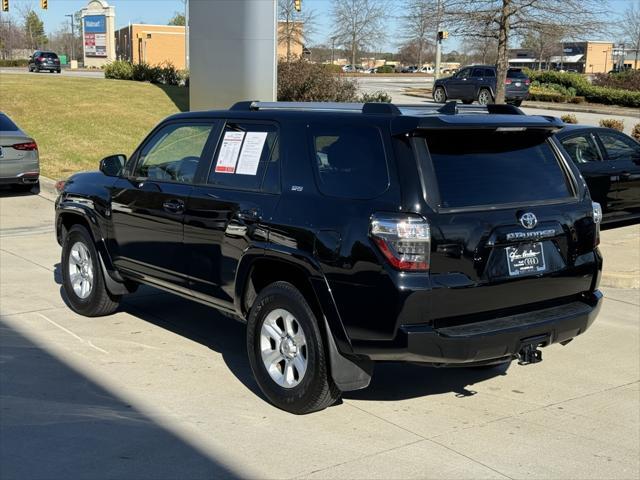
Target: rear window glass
{"points": [[477, 167], [350, 161], [48, 55], [6, 125], [516, 74]]}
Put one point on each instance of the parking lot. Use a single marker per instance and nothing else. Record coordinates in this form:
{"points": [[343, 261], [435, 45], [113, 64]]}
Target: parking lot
{"points": [[163, 389]]}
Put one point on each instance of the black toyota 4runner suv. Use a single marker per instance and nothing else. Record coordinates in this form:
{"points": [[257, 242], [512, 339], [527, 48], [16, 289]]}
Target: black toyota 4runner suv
{"points": [[345, 234]]}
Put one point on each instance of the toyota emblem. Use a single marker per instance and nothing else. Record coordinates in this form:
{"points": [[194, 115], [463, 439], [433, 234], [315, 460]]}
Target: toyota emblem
{"points": [[528, 220]]}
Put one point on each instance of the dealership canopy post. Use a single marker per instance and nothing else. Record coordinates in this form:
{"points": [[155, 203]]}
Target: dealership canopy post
{"points": [[232, 52]]}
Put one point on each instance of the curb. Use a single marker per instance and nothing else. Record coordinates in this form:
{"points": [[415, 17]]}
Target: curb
{"points": [[48, 186]]}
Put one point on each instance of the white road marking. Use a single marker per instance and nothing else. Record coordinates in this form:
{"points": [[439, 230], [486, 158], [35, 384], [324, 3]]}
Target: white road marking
{"points": [[66, 330]]}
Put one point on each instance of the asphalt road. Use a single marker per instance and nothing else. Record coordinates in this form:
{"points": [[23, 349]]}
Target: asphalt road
{"points": [[163, 389], [65, 72], [395, 86]]}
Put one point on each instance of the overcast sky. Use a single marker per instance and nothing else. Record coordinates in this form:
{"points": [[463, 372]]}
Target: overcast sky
{"points": [[160, 11]]}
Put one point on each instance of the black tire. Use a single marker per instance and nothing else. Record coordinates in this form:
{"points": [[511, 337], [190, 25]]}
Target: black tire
{"points": [[58, 71], [99, 301], [467, 102], [439, 95], [485, 97], [316, 389]]}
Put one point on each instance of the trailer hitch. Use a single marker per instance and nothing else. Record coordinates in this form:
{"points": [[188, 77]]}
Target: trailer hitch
{"points": [[529, 352]]}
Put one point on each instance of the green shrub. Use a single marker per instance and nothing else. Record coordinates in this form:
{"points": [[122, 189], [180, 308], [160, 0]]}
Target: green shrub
{"points": [[386, 69], [375, 97], [635, 133], [569, 118], [582, 87], [544, 94], [577, 99], [301, 81], [119, 70], [333, 68], [627, 80], [612, 123], [22, 62]]}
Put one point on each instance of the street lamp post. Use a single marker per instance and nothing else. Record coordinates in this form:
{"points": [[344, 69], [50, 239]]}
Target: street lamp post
{"points": [[333, 48], [73, 35], [605, 59]]}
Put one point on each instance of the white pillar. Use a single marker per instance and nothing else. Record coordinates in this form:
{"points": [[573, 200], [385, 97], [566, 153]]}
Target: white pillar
{"points": [[232, 52]]}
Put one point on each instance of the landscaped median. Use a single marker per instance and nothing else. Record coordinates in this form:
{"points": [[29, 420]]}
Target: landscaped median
{"points": [[77, 121]]}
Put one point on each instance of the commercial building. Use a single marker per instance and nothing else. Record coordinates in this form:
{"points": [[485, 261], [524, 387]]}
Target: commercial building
{"points": [[152, 44], [582, 57]]}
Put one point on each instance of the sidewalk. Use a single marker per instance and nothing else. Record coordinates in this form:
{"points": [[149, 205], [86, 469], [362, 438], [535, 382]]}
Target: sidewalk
{"points": [[620, 248]]}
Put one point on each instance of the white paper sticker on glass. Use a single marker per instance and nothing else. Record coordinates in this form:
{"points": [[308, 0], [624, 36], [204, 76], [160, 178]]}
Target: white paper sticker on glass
{"points": [[251, 153], [228, 156]]}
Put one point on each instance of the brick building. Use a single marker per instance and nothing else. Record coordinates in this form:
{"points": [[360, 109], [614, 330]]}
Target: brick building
{"points": [[152, 44]]}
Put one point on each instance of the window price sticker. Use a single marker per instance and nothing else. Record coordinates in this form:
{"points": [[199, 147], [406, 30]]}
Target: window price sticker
{"points": [[229, 151], [251, 153]]}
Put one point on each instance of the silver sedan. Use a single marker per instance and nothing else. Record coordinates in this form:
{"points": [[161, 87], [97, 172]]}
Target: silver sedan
{"points": [[19, 160]]}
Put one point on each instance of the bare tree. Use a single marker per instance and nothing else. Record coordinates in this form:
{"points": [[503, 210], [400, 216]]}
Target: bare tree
{"points": [[358, 24], [545, 41], [630, 27], [417, 26], [11, 36], [504, 19], [294, 28]]}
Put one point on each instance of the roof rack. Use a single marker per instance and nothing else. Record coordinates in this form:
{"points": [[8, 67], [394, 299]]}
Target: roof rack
{"points": [[449, 108], [366, 108]]}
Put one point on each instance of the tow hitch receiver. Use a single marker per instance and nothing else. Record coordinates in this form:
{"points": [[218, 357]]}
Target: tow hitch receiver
{"points": [[529, 352]]}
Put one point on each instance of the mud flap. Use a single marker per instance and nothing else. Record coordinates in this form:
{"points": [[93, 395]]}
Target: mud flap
{"points": [[347, 374]]}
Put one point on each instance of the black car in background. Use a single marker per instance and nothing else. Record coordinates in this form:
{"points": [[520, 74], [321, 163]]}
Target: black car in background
{"points": [[610, 163], [41, 60], [478, 82]]}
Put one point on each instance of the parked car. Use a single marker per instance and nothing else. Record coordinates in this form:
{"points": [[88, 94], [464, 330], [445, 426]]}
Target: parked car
{"points": [[41, 60], [410, 69], [610, 164], [478, 82], [426, 70], [345, 234], [19, 161], [348, 69]]}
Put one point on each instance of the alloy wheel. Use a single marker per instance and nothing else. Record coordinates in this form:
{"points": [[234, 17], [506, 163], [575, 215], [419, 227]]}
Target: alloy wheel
{"points": [[81, 273]]}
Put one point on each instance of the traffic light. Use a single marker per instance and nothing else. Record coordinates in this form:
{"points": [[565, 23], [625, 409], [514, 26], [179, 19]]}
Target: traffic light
{"points": [[44, 4], [5, 5], [297, 4], [443, 35]]}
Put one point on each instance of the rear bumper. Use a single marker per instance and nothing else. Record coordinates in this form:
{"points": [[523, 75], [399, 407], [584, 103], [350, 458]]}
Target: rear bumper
{"points": [[488, 340], [20, 179]]}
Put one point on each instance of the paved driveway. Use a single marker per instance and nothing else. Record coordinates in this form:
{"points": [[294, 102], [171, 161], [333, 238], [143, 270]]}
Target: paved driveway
{"points": [[163, 389]]}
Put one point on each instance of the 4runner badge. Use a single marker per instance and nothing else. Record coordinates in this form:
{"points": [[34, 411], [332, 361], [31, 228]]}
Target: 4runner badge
{"points": [[528, 220]]}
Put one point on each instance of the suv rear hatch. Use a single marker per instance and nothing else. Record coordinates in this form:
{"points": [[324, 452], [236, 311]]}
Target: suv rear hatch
{"points": [[512, 229], [516, 83]]}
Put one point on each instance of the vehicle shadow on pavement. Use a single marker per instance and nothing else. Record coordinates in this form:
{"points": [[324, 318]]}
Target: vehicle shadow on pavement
{"points": [[207, 326], [402, 381], [57, 423], [7, 191]]}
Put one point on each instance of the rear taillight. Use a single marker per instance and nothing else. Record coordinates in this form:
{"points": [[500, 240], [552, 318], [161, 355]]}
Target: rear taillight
{"points": [[507, 81], [41, 59], [527, 81], [597, 218], [404, 240], [25, 146]]}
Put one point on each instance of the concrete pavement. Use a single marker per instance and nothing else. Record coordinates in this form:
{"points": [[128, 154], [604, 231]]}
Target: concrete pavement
{"points": [[162, 389]]}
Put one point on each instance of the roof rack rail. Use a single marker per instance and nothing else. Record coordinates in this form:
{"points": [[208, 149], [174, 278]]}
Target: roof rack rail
{"points": [[366, 108], [452, 108]]}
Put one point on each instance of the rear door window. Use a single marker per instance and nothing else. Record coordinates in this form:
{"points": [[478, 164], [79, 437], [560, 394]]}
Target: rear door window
{"points": [[481, 168], [489, 72], [247, 158], [6, 125], [350, 161], [619, 147]]}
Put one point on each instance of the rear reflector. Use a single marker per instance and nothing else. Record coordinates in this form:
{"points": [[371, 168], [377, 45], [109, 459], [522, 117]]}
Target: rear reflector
{"points": [[404, 240], [25, 146]]}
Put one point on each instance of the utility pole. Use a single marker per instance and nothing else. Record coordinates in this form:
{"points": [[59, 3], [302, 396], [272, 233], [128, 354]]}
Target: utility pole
{"points": [[333, 49], [442, 35], [73, 36], [186, 34]]}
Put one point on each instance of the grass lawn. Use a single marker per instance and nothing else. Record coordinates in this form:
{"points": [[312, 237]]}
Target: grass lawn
{"points": [[77, 121]]}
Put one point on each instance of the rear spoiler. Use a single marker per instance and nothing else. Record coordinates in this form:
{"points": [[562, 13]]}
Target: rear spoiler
{"points": [[463, 117]]}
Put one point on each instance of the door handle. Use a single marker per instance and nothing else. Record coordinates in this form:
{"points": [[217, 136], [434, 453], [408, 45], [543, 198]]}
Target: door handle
{"points": [[173, 206]]}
